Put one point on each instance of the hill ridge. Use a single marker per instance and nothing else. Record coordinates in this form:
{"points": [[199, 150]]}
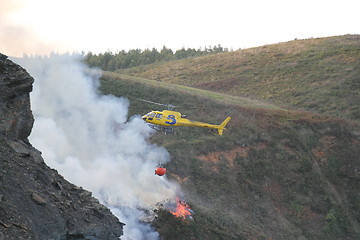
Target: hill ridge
{"points": [[319, 75]]}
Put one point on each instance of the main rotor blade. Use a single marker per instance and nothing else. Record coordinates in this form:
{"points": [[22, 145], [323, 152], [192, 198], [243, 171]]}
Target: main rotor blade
{"points": [[161, 104]]}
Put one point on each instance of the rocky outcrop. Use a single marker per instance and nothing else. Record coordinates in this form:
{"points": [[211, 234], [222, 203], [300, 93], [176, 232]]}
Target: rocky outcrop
{"points": [[35, 201], [16, 119]]}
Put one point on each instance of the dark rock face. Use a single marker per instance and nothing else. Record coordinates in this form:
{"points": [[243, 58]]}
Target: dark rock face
{"points": [[16, 119], [35, 201]]}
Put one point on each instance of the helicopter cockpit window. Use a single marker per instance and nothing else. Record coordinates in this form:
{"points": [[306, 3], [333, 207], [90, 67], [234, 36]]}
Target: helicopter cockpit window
{"points": [[158, 115], [152, 115]]}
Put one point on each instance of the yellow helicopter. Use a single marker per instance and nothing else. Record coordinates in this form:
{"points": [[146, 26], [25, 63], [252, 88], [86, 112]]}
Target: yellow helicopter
{"points": [[166, 119]]}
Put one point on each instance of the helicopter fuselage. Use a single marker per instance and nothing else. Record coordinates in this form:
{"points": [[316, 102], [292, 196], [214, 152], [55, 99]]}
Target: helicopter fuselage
{"points": [[169, 118]]}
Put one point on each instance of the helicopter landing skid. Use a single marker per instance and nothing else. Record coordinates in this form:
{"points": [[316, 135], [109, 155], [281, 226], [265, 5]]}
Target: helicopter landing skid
{"points": [[162, 128]]}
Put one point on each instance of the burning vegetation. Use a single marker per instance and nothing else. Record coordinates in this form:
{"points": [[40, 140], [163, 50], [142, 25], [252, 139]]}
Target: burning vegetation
{"points": [[182, 210], [174, 220]]}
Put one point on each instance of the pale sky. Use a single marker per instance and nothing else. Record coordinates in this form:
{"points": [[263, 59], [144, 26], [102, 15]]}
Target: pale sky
{"points": [[44, 26]]}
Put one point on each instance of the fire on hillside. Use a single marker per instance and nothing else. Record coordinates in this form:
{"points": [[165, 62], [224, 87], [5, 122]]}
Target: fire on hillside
{"points": [[182, 210]]}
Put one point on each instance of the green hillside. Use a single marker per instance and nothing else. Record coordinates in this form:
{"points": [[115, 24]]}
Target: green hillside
{"points": [[274, 174], [320, 75]]}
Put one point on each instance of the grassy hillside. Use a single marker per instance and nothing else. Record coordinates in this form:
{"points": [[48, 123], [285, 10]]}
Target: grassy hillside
{"points": [[321, 75], [274, 174], [136, 84]]}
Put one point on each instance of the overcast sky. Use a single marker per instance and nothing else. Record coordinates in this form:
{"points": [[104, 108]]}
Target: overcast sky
{"points": [[42, 26]]}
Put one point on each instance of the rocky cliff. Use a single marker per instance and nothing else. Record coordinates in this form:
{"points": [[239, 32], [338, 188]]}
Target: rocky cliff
{"points": [[35, 201]]}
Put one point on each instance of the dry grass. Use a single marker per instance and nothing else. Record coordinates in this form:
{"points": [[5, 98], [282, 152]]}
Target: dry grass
{"points": [[320, 75]]}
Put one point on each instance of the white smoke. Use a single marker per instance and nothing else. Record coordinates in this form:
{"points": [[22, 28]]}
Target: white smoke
{"points": [[87, 138]]}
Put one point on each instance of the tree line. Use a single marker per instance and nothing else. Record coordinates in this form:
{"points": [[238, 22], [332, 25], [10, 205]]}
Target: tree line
{"points": [[109, 61]]}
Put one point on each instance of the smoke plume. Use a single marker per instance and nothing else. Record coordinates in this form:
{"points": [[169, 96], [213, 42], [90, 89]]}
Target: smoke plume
{"points": [[86, 136]]}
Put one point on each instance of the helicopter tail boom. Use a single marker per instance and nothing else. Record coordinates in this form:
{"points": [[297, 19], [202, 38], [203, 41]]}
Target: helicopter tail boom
{"points": [[222, 125]]}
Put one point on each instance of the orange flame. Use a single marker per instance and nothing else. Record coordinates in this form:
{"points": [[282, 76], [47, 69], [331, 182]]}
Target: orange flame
{"points": [[183, 210]]}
